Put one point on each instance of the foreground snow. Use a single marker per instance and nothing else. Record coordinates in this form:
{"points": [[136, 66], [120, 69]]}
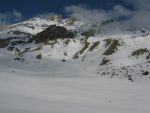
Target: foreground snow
{"points": [[44, 93], [53, 86]]}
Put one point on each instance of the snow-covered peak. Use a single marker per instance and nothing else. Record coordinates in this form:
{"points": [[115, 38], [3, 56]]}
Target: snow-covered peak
{"points": [[36, 25], [32, 27], [38, 22]]}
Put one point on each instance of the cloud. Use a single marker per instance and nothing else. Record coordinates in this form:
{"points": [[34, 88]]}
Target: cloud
{"points": [[86, 14], [10, 17], [124, 17], [140, 13], [119, 11], [140, 4], [99, 16], [96, 16]]}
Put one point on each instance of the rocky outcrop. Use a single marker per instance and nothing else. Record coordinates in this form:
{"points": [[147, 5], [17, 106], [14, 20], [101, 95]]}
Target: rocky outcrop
{"points": [[51, 33], [3, 43]]}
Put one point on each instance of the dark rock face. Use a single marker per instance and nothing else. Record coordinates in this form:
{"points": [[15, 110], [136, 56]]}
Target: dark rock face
{"points": [[39, 56], [51, 33], [4, 43], [11, 42], [89, 33], [146, 73]]}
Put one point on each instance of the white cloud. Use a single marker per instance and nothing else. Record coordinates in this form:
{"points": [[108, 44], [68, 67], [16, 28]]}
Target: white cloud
{"points": [[124, 17], [140, 4], [86, 14], [9, 17], [97, 16], [140, 14], [119, 11]]}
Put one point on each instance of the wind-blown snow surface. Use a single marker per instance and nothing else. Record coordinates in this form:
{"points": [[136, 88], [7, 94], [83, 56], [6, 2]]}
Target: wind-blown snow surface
{"points": [[67, 89]]}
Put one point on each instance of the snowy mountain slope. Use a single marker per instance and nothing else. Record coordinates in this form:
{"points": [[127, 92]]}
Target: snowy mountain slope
{"points": [[125, 55], [112, 57], [34, 26], [88, 73]]}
